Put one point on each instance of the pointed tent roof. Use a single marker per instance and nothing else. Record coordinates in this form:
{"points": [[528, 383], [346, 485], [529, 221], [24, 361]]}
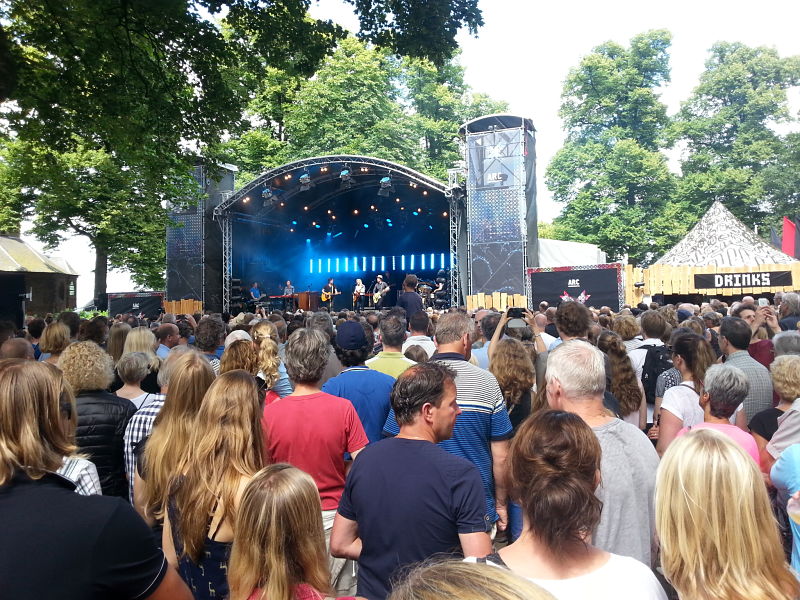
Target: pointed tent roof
{"points": [[722, 240], [16, 255]]}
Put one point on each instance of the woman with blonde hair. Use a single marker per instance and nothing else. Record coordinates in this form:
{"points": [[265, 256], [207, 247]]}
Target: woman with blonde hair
{"points": [[453, 580], [102, 417], [160, 454], [279, 548], [692, 356], [116, 340], [554, 471], [240, 354], [264, 330], [55, 338], [141, 339], [269, 364], [625, 386], [719, 539], [224, 452]]}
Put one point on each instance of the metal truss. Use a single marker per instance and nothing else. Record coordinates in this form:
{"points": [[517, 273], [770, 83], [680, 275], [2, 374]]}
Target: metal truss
{"points": [[455, 195]]}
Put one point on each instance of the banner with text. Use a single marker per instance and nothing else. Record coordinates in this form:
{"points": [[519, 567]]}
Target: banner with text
{"points": [[742, 280]]}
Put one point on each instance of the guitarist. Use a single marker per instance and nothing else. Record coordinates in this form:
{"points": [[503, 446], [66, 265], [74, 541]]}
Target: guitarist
{"points": [[379, 292], [328, 292], [358, 295]]}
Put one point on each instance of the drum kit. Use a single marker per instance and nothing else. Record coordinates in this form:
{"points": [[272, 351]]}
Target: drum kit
{"points": [[426, 291]]}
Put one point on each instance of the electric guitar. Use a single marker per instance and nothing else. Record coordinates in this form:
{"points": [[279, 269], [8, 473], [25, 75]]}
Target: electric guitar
{"points": [[376, 297], [325, 296]]}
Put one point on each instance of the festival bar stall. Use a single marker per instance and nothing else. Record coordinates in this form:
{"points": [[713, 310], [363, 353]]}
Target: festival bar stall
{"points": [[720, 257]]}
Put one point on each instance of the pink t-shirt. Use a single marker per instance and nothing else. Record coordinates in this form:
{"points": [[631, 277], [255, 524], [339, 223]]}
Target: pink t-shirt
{"points": [[301, 592], [312, 433], [744, 439]]}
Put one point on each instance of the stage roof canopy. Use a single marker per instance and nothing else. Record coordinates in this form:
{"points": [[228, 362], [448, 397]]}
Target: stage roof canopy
{"points": [[722, 240]]}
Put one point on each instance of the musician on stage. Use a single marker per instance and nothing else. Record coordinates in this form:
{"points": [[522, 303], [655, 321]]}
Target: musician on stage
{"points": [[358, 295], [328, 292], [255, 296], [380, 288], [289, 300]]}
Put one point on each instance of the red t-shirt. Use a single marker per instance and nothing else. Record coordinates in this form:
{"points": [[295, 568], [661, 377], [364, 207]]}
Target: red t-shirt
{"points": [[312, 433]]}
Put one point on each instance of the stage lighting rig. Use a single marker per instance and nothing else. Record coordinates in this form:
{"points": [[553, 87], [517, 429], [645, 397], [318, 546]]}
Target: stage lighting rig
{"points": [[386, 188], [269, 197], [305, 182]]}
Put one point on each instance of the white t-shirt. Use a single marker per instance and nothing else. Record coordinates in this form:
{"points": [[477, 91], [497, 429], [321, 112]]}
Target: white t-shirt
{"points": [[141, 400], [621, 578], [683, 402]]}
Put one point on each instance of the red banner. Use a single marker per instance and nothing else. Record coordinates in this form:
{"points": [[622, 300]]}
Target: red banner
{"points": [[789, 235]]}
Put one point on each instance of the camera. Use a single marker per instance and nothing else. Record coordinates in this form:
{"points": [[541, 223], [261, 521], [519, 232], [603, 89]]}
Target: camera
{"points": [[516, 313]]}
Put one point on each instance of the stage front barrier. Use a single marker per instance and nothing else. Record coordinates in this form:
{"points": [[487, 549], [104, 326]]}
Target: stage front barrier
{"points": [[183, 307], [499, 300], [669, 280]]}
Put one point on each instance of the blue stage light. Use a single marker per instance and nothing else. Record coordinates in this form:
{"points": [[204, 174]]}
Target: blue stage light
{"points": [[430, 226], [317, 225], [366, 225], [373, 263], [415, 213], [329, 265], [422, 260], [412, 262], [329, 233], [433, 261], [442, 263], [337, 265], [346, 264], [308, 240], [383, 263], [388, 220], [311, 266], [294, 222], [403, 262], [394, 265]]}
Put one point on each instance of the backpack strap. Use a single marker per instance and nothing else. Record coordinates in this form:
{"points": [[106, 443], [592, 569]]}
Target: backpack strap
{"points": [[493, 558]]}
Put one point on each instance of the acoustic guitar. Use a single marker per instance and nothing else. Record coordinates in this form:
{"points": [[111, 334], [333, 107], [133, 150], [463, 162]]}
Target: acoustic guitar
{"points": [[325, 296]]}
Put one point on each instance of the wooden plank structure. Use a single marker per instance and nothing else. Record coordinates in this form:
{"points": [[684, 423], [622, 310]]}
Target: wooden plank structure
{"points": [[183, 307], [499, 300], [671, 280]]}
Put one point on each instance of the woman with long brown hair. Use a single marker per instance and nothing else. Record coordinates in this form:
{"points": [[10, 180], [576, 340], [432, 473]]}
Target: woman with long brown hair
{"points": [[172, 431], [627, 389], [225, 451], [554, 471], [279, 548], [116, 340], [692, 356]]}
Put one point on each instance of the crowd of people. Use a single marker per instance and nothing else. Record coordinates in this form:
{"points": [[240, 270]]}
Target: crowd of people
{"points": [[564, 453]]}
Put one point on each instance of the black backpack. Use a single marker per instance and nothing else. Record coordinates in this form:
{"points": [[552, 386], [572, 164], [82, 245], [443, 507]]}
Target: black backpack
{"points": [[657, 360]]}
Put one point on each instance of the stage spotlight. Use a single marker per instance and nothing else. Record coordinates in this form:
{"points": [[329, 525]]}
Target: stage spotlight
{"points": [[386, 187], [366, 225], [305, 182]]}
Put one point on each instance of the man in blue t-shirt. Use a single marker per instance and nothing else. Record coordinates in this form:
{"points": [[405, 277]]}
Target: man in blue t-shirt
{"points": [[255, 293], [483, 432], [366, 388], [406, 499]]}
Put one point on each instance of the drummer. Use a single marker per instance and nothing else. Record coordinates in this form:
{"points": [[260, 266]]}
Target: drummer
{"points": [[409, 299], [424, 289]]}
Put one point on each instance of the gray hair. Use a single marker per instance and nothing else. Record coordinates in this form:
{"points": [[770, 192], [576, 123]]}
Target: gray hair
{"points": [[786, 342], [167, 365], [307, 352], [579, 367], [133, 367], [712, 317], [792, 303], [321, 321], [727, 387], [452, 326]]}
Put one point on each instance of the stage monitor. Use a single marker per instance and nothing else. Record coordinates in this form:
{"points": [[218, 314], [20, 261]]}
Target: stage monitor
{"points": [[592, 285]]}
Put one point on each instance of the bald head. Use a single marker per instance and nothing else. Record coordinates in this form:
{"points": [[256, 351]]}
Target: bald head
{"points": [[17, 348]]}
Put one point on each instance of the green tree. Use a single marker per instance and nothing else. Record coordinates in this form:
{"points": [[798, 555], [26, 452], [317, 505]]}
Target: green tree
{"points": [[733, 152], [146, 87], [610, 174]]}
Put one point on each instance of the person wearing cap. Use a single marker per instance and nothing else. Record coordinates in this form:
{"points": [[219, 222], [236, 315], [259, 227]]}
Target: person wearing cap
{"points": [[369, 390]]}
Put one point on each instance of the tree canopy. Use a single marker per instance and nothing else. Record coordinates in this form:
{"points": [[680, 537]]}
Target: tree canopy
{"points": [[612, 174], [105, 96]]}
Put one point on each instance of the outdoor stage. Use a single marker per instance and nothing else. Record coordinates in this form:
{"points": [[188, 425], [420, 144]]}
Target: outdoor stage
{"points": [[348, 217], [344, 217]]}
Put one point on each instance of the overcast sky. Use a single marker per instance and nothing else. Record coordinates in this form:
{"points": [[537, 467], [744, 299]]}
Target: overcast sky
{"points": [[525, 50]]}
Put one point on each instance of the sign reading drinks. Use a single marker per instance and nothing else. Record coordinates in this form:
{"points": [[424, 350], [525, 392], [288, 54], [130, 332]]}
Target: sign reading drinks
{"points": [[742, 280]]}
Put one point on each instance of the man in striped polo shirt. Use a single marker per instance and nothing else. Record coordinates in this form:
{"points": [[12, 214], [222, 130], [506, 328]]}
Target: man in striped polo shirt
{"points": [[483, 430]]}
